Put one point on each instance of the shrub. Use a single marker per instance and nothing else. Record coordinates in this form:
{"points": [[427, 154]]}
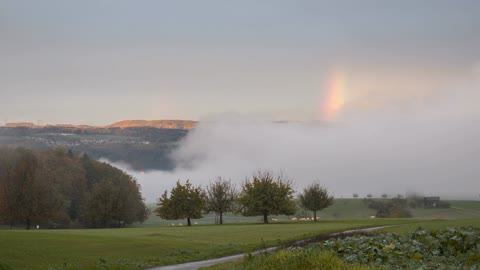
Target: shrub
{"points": [[5, 267]]}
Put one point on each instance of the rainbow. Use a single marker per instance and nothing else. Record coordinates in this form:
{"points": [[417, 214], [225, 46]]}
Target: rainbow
{"points": [[334, 97]]}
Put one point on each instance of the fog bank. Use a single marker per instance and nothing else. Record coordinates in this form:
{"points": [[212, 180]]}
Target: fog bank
{"points": [[432, 148]]}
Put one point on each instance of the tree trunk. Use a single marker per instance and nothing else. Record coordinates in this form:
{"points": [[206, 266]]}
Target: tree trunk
{"points": [[221, 218], [28, 224], [265, 218], [189, 222], [11, 225], [315, 216]]}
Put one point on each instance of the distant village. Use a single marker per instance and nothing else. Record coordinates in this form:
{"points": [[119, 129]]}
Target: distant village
{"points": [[56, 140]]}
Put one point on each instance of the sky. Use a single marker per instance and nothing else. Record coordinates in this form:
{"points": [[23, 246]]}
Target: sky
{"points": [[97, 62], [363, 96]]}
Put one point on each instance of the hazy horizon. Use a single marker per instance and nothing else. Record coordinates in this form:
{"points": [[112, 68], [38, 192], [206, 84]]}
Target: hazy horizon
{"points": [[379, 96], [429, 149]]}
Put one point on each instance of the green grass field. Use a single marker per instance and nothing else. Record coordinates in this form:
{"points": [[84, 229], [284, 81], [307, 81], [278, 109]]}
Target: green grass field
{"points": [[158, 243], [355, 208], [139, 248]]}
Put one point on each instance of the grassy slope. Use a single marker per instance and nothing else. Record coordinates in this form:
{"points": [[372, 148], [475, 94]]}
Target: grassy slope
{"points": [[345, 209], [152, 246], [437, 224], [472, 205]]}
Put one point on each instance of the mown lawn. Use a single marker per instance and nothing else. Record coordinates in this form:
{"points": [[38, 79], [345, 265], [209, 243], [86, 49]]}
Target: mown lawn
{"points": [[140, 248]]}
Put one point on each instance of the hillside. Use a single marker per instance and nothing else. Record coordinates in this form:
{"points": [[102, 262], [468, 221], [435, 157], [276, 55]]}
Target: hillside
{"points": [[144, 145], [167, 124], [163, 124]]}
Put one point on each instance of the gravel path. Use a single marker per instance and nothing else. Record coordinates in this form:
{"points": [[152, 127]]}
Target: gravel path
{"points": [[198, 264]]}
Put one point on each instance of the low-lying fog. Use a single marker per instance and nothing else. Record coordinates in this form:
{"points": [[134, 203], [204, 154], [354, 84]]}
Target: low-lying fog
{"points": [[427, 146]]}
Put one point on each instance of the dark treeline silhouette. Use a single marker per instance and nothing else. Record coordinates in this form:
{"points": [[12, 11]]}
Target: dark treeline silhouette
{"points": [[60, 188]]}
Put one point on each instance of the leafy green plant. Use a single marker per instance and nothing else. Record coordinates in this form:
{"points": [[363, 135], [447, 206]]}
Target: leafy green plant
{"points": [[422, 249], [5, 267]]}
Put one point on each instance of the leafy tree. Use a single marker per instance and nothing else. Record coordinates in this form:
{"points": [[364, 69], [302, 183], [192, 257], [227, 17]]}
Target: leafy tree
{"points": [[87, 165], [100, 203], [52, 187], [266, 195], [115, 200], [68, 179], [369, 195], [355, 195], [314, 198], [384, 195], [185, 201], [8, 213], [31, 195], [220, 198]]}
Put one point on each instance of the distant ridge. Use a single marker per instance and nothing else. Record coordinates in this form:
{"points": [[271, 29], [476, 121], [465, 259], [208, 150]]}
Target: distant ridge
{"points": [[161, 124], [20, 124], [167, 124]]}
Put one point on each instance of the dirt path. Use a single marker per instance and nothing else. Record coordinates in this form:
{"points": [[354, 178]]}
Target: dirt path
{"points": [[205, 263]]}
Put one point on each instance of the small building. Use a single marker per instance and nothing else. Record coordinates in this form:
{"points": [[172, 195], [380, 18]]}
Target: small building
{"points": [[431, 202]]}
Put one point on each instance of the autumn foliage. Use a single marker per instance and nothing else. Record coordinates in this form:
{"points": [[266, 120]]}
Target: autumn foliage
{"points": [[63, 189]]}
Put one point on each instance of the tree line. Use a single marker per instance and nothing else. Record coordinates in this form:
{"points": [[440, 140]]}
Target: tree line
{"points": [[67, 189], [264, 194]]}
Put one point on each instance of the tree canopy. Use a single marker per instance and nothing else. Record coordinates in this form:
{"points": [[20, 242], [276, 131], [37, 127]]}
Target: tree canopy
{"points": [[185, 201], [314, 198], [115, 200], [62, 187], [221, 196], [29, 193], [266, 194]]}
